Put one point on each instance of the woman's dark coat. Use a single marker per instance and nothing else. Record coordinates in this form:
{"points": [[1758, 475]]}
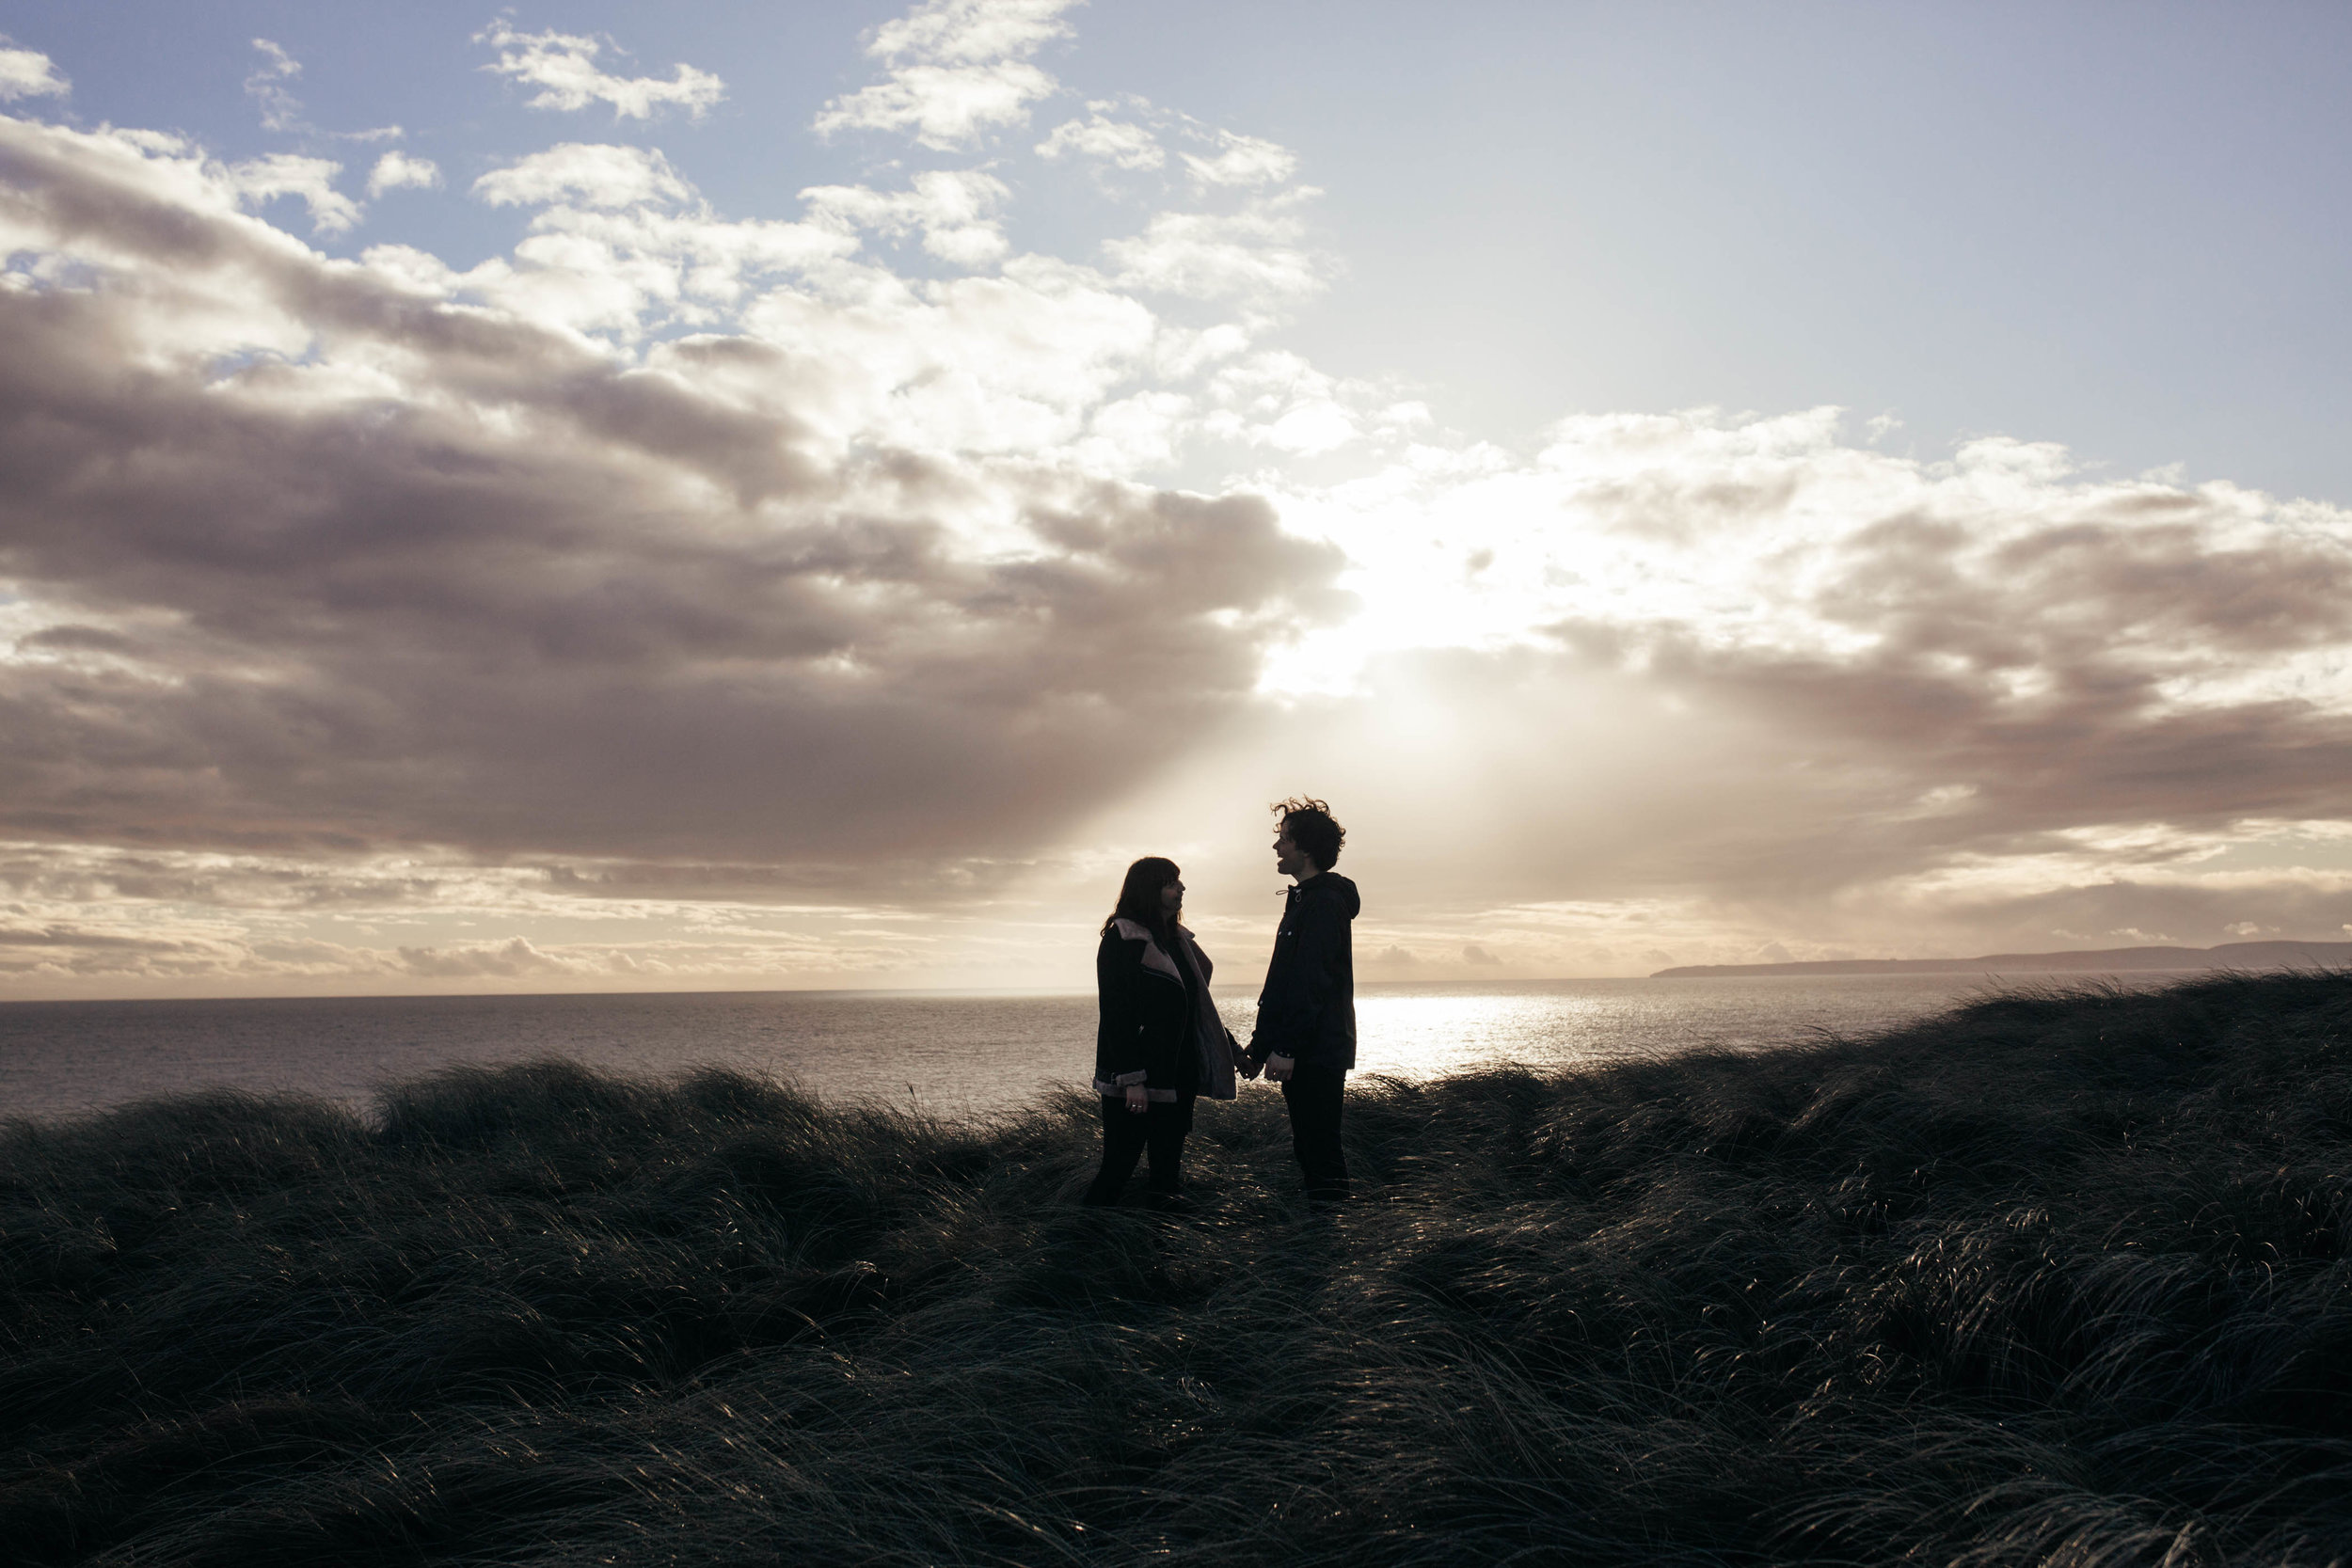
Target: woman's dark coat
{"points": [[1157, 1029]]}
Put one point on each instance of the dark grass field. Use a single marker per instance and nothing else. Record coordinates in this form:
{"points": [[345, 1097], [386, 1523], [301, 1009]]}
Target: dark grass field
{"points": [[2056, 1279]]}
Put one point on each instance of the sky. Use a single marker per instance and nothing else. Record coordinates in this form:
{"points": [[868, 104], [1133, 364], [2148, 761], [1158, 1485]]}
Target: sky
{"points": [[573, 498]]}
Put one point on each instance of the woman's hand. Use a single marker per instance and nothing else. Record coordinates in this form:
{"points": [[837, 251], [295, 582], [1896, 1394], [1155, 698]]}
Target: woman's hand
{"points": [[1137, 1102], [1277, 1068]]}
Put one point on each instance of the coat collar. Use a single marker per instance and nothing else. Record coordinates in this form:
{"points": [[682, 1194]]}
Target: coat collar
{"points": [[1154, 958]]}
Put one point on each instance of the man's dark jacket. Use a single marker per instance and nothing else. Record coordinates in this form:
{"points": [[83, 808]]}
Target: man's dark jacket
{"points": [[1307, 1009]]}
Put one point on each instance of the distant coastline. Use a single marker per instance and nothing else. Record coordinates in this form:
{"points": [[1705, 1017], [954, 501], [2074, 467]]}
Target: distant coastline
{"points": [[2229, 955]]}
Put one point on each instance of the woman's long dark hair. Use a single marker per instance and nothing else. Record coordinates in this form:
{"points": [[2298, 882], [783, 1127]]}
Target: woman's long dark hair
{"points": [[1140, 896]]}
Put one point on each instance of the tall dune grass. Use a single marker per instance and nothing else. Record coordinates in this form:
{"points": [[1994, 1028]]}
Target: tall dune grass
{"points": [[2056, 1279]]}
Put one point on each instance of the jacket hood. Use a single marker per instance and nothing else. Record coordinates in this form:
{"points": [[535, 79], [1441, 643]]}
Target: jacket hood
{"points": [[1330, 884]]}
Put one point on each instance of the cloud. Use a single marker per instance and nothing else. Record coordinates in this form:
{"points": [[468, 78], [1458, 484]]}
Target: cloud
{"points": [[623, 246], [563, 67], [1114, 142], [262, 180], [592, 176], [1245, 161], [1279, 400], [436, 574], [507, 960], [26, 73], [1251, 256], [1251, 253], [85, 920], [398, 170], [1806, 691], [958, 69], [950, 207], [280, 109], [729, 582], [824, 558], [1231, 161], [971, 31]]}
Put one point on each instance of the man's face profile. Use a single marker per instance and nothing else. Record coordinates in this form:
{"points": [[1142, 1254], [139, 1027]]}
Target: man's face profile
{"points": [[1289, 859]]}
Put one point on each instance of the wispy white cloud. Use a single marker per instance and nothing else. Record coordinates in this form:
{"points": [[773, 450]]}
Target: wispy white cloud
{"points": [[1121, 144], [261, 180], [1243, 161], [282, 112], [951, 207], [589, 174], [1280, 401], [957, 70], [1253, 256], [971, 31], [563, 66], [398, 170], [29, 73], [280, 109]]}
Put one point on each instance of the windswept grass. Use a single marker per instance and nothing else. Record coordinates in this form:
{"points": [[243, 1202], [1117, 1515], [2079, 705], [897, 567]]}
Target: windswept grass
{"points": [[2051, 1280]]}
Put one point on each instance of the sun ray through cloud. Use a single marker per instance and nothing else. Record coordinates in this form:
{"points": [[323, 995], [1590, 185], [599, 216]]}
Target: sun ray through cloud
{"points": [[686, 591]]}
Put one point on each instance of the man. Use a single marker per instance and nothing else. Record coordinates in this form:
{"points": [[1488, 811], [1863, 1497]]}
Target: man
{"points": [[1305, 1031]]}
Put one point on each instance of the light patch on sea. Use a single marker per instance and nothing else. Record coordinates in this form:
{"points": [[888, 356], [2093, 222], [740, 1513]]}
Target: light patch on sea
{"points": [[945, 1054]]}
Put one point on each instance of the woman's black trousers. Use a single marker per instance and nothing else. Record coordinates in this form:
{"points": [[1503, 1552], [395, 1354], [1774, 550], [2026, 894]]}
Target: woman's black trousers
{"points": [[1126, 1135]]}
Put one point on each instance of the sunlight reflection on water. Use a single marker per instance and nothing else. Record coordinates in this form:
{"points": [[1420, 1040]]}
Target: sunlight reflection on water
{"points": [[948, 1054], [1425, 1031]]}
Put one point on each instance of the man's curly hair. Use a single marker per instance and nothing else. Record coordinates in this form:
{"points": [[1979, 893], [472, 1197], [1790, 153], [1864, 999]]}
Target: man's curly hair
{"points": [[1313, 828]]}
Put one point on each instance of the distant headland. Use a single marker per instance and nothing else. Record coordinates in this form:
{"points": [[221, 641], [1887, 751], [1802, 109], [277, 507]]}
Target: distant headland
{"points": [[2229, 955]]}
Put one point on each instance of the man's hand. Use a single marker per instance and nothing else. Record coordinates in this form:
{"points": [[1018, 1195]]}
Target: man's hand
{"points": [[1277, 1068], [1137, 1102]]}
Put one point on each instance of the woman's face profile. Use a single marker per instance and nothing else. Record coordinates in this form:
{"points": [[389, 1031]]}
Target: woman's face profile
{"points": [[1173, 897]]}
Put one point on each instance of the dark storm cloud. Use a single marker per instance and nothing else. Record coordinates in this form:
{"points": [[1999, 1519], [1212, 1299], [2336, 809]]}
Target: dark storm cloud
{"points": [[435, 574]]}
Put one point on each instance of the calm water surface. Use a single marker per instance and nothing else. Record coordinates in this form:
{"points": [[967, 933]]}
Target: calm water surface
{"points": [[949, 1054]]}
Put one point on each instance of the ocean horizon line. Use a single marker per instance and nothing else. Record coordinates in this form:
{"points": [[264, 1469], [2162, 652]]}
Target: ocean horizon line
{"points": [[944, 992], [1818, 969]]}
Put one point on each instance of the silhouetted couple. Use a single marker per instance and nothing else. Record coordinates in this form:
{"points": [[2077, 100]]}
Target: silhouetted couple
{"points": [[1160, 1044]]}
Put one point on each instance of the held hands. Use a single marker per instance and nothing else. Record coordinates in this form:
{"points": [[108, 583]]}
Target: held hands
{"points": [[1137, 1102], [1277, 1068]]}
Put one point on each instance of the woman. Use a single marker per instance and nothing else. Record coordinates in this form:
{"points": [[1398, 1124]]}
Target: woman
{"points": [[1160, 1043]]}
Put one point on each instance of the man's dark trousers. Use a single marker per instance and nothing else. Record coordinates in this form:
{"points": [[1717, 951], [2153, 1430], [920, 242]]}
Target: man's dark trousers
{"points": [[1314, 1095]]}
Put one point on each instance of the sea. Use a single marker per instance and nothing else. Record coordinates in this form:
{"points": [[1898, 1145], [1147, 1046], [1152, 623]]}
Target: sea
{"points": [[947, 1055]]}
